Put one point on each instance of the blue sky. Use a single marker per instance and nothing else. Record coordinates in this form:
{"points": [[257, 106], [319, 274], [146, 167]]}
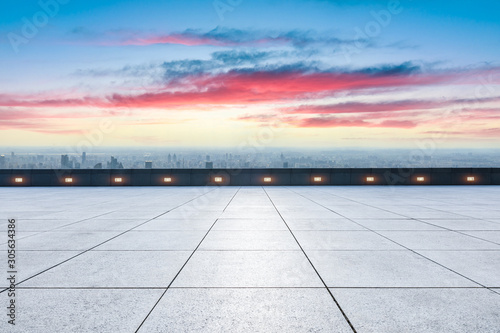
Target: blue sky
{"points": [[410, 70]]}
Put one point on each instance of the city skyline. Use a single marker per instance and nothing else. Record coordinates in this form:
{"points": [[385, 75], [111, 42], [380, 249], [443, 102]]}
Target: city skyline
{"points": [[307, 74], [179, 158]]}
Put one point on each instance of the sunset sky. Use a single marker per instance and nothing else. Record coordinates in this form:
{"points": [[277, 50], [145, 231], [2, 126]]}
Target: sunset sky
{"points": [[299, 73]]}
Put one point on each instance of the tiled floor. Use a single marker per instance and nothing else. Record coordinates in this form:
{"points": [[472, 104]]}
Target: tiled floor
{"points": [[253, 259]]}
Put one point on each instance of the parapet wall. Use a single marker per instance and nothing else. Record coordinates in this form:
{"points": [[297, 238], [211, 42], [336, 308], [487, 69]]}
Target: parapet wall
{"points": [[249, 177]]}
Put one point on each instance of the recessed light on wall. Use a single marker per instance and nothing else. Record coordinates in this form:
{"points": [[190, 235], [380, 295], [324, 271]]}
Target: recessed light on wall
{"points": [[18, 180], [420, 179], [218, 179], [167, 179], [118, 180], [68, 180], [471, 179], [317, 179], [370, 179], [267, 179]]}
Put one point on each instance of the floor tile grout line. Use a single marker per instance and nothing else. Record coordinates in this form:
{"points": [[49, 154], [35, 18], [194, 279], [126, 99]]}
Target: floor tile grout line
{"points": [[180, 270], [312, 265], [90, 249], [413, 251]]}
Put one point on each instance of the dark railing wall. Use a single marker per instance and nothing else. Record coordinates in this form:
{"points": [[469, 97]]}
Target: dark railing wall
{"points": [[249, 177]]}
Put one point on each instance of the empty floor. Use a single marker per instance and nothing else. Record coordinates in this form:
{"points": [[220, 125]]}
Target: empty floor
{"points": [[254, 259]]}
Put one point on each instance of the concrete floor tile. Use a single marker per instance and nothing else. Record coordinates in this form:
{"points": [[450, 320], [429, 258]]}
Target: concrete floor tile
{"points": [[29, 263], [65, 241], [420, 310], [297, 224], [248, 269], [249, 224], [155, 241], [480, 266], [344, 240], [249, 240], [383, 269], [395, 224], [112, 269], [246, 310], [469, 224], [438, 240], [97, 310], [177, 224], [492, 236]]}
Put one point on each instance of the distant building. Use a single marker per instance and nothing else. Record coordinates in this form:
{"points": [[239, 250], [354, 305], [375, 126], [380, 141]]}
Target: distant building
{"points": [[113, 163], [209, 165], [65, 163], [169, 158], [148, 164], [98, 166], [84, 158], [285, 165], [2, 161], [208, 158]]}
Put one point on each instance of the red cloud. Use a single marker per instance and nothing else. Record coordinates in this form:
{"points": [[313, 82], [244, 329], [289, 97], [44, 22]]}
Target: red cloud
{"points": [[327, 122], [240, 88]]}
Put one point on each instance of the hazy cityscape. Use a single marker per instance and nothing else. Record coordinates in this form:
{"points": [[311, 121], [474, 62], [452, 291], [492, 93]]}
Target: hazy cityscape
{"points": [[117, 158]]}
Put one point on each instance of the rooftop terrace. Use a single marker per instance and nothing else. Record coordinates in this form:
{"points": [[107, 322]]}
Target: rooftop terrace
{"points": [[254, 259]]}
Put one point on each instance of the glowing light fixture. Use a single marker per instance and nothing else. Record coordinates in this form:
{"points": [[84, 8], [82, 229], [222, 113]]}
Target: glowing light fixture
{"points": [[68, 180], [218, 179], [317, 179], [118, 180], [18, 180], [420, 179], [267, 179], [471, 179], [370, 179], [167, 179]]}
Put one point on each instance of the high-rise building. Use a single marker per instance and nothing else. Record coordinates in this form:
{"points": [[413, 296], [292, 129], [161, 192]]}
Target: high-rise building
{"points": [[148, 164], [98, 166], [84, 158], [169, 158], [285, 165], [113, 164], [65, 162], [2, 161], [209, 165]]}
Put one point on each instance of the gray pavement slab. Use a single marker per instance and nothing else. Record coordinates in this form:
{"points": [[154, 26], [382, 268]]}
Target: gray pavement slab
{"points": [[249, 224], [492, 236], [248, 269], [421, 310], [438, 240], [396, 224], [480, 266], [383, 269], [344, 240], [250, 240], [246, 310], [155, 240], [113, 269], [85, 311], [65, 240]]}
